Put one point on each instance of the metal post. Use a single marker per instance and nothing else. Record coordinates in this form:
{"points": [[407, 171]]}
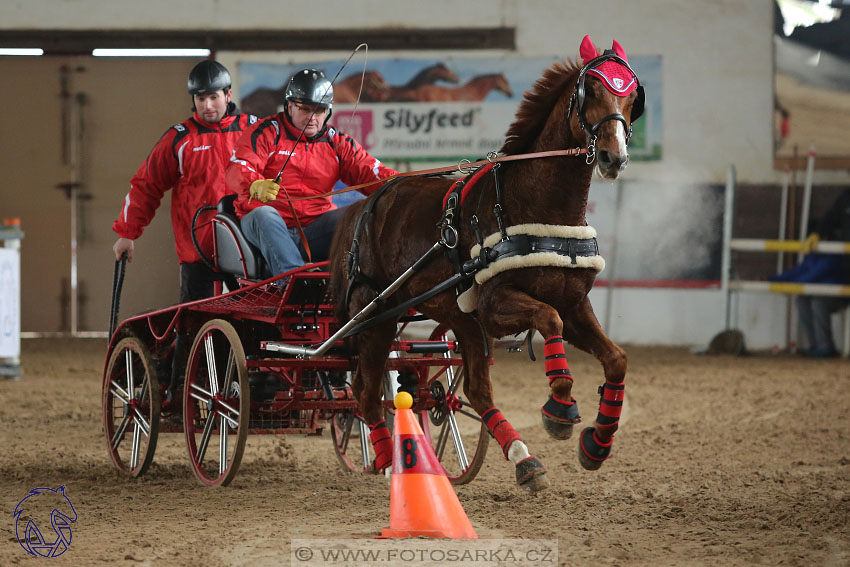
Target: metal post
{"points": [[783, 217], [807, 197], [726, 260], [611, 264]]}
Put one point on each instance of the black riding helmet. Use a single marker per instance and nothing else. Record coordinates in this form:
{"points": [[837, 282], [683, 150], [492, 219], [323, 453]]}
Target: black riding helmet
{"points": [[311, 86], [209, 76]]}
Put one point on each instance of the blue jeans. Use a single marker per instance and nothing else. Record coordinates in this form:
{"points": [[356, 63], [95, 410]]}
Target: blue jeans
{"points": [[281, 245], [815, 317]]}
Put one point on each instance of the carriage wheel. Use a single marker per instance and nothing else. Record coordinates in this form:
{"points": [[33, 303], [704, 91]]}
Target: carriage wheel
{"points": [[458, 436], [216, 403], [131, 407], [352, 447]]}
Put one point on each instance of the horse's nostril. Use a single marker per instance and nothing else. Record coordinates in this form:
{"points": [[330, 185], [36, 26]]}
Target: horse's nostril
{"points": [[611, 160]]}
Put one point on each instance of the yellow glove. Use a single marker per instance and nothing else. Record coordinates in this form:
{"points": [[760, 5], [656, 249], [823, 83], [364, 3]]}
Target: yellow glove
{"points": [[264, 189], [810, 243]]}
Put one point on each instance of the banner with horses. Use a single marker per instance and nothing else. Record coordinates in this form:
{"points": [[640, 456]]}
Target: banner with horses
{"points": [[436, 109]]}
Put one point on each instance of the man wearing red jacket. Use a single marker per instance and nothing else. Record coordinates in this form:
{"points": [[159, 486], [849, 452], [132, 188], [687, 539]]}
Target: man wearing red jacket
{"points": [[316, 154], [189, 159]]}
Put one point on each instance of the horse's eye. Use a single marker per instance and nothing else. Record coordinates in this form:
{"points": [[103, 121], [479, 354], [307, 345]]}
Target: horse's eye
{"points": [[589, 90]]}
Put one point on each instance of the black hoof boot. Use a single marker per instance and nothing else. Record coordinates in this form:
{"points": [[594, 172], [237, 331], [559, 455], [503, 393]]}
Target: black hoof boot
{"points": [[531, 475], [591, 453], [559, 418]]}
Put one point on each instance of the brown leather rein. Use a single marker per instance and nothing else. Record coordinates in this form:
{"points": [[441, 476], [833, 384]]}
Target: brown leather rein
{"points": [[448, 168], [444, 169]]}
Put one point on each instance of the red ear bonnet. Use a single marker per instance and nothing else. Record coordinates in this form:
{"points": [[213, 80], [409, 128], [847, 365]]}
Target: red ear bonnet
{"points": [[616, 77], [587, 51]]}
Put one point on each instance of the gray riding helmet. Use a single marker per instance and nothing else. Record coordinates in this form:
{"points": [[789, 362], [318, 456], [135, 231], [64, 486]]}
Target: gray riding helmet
{"points": [[311, 86], [209, 76]]}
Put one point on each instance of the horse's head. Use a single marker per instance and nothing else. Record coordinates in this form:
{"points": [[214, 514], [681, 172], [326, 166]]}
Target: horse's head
{"points": [[375, 87], [606, 99], [439, 72]]}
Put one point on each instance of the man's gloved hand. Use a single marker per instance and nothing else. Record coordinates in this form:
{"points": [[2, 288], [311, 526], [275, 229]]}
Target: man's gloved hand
{"points": [[264, 190], [810, 243]]}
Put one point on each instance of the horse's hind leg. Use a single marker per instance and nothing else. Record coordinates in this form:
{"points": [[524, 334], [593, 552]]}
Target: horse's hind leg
{"points": [[530, 472], [583, 330], [374, 347], [508, 308]]}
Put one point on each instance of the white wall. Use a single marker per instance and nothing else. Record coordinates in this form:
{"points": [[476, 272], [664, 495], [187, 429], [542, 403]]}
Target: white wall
{"points": [[717, 56], [717, 100]]}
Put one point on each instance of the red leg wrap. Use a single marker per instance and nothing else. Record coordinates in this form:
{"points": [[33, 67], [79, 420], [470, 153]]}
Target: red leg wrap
{"points": [[556, 359], [611, 404], [502, 430], [382, 441]]}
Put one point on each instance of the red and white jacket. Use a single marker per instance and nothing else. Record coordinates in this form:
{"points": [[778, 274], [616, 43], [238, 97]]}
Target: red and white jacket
{"points": [[315, 165], [190, 159]]}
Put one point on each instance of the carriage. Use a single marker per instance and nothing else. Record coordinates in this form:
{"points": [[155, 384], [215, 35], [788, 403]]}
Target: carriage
{"points": [[238, 383], [510, 237]]}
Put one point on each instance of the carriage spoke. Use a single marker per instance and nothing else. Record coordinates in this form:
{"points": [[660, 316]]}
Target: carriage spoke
{"points": [[144, 391], [462, 459], [228, 374], [119, 393], [346, 426], [134, 455], [364, 442], [142, 422], [128, 369], [205, 438], [468, 414], [119, 432], [440, 446], [233, 422], [212, 373], [222, 446]]}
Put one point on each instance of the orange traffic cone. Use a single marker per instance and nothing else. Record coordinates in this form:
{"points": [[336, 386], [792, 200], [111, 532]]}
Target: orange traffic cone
{"points": [[422, 500]]}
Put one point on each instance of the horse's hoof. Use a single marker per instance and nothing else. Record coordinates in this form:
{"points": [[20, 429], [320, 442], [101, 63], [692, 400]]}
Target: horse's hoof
{"points": [[531, 475], [556, 429], [592, 453], [559, 417]]}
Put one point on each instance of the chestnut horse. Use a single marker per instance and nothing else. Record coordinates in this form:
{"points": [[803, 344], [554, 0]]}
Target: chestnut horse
{"points": [[548, 193], [427, 76], [474, 90], [375, 88]]}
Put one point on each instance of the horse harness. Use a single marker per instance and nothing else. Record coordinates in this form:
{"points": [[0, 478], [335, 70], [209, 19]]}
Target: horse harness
{"points": [[513, 246], [570, 245]]}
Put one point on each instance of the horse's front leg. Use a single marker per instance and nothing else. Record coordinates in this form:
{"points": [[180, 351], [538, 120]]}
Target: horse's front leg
{"points": [[582, 329], [508, 309], [373, 348]]}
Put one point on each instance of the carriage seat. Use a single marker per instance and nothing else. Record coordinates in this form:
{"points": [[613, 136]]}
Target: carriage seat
{"points": [[234, 254]]}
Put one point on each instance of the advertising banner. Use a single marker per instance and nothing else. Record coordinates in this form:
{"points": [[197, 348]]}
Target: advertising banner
{"points": [[437, 110]]}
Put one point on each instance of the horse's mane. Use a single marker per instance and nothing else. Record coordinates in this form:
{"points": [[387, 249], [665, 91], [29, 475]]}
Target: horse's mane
{"points": [[537, 104]]}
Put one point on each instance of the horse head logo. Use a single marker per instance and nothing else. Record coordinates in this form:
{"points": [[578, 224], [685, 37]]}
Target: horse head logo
{"points": [[35, 508]]}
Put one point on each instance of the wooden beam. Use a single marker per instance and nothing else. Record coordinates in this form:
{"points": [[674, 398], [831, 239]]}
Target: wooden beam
{"points": [[821, 162], [81, 42]]}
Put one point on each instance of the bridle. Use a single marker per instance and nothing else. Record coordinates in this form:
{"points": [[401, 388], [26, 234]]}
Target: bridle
{"points": [[577, 100]]}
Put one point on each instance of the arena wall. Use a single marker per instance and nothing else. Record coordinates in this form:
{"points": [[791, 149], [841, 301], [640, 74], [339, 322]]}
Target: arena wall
{"points": [[717, 61]]}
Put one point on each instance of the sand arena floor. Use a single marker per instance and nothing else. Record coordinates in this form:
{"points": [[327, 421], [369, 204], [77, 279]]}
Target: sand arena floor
{"points": [[719, 461]]}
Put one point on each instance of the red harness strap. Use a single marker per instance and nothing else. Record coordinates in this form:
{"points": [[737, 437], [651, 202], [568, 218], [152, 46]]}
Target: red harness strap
{"points": [[468, 183]]}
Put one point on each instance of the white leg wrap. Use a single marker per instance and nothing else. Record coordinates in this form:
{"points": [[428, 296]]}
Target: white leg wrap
{"points": [[518, 452]]}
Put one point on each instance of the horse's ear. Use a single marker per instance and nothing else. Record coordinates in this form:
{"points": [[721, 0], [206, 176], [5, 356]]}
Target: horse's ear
{"points": [[618, 49], [587, 50]]}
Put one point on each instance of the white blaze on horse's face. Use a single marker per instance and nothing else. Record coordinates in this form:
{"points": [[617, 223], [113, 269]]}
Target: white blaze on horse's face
{"points": [[608, 165]]}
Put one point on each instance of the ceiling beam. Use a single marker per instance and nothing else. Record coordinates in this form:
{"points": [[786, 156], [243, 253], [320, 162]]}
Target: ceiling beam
{"points": [[81, 42]]}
